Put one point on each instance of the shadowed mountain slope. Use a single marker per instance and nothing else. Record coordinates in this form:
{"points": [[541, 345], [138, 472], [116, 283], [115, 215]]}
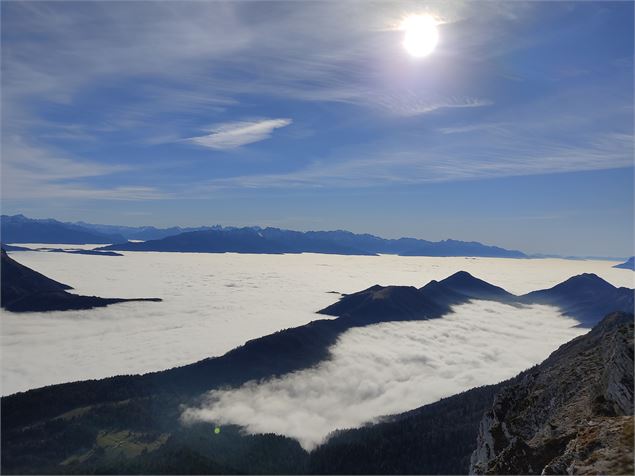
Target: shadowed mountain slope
{"points": [[25, 290], [434, 439]]}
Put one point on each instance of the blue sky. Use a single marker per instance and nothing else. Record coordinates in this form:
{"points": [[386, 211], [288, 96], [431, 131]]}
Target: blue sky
{"points": [[517, 130]]}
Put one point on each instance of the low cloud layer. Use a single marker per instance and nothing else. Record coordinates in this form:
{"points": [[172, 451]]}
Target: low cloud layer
{"points": [[393, 367], [213, 303], [231, 135]]}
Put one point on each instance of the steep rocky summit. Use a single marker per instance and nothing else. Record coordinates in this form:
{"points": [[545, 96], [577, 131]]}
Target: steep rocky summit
{"points": [[572, 414]]}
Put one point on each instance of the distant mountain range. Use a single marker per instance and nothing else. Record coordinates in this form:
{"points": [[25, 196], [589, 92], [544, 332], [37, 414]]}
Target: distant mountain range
{"points": [[80, 427], [25, 290], [143, 232], [629, 264], [274, 240], [217, 239], [20, 229]]}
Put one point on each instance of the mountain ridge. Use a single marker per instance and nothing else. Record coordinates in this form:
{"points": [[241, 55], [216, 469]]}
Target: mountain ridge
{"points": [[275, 240], [255, 239], [20, 229], [585, 297]]}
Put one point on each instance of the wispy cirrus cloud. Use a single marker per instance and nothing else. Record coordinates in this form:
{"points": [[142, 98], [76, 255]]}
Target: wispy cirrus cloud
{"points": [[472, 128], [461, 161], [30, 171], [413, 104], [231, 135]]}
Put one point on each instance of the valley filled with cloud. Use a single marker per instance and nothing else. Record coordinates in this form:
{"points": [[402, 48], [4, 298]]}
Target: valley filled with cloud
{"points": [[214, 303], [393, 367]]}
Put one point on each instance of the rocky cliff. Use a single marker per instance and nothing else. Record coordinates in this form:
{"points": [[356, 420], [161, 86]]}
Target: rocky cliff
{"points": [[572, 414]]}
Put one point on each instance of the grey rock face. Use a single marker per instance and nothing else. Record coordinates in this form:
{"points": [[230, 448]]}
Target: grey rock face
{"points": [[569, 415]]}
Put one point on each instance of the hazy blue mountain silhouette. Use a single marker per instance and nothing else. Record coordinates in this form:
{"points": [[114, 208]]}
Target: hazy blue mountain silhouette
{"points": [[80, 252], [218, 239], [25, 290], [628, 264], [275, 240], [6, 247], [143, 232], [20, 229]]}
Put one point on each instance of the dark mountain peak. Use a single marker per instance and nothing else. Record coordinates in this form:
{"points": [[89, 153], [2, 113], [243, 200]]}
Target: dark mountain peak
{"points": [[586, 297], [387, 303], [460, 276], [582, 283], [464, 283], [588, 279]]}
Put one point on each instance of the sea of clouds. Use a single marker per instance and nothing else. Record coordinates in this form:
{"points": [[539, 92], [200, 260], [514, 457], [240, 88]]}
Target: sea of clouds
{"points": [[391, 368], [213, 303]]}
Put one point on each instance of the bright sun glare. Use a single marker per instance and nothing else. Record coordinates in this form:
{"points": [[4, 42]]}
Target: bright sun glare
{"points": [[421, 35]]}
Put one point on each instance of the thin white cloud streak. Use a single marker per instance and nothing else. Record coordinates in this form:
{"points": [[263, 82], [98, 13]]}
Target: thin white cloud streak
{"points": [[390, 368], [472, 128], [412, 104], [231, 135], [30, 171], [456, 163]]}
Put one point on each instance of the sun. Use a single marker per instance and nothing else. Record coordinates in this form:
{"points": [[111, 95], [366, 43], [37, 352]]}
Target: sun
{"points": [[420, 35]]}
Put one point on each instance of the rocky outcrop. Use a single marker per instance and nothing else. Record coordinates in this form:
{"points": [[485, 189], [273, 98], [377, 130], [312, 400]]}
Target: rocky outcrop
{"points": [[572, 414]]}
